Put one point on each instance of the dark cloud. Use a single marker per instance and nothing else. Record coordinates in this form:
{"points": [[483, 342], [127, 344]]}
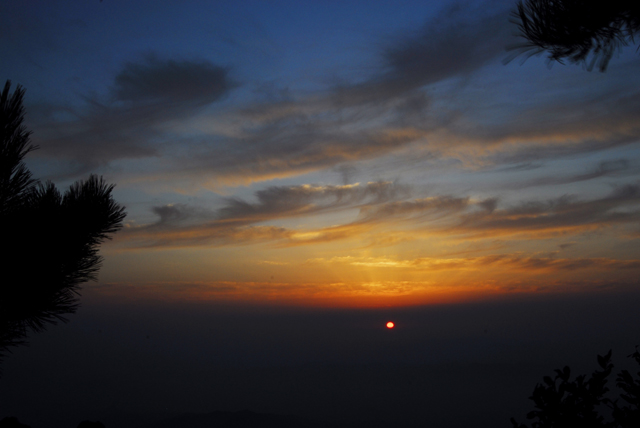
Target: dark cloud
{"points": [[278, 201], [181, 225], [553, 264], [170, 213], [609, 168], [179, 214], [489, 204], [346, 171], [574, 142], [145, 97], [433, 207], [521, 167], [604, 168], [238, 221], [560, 215], [508, 261], [566, 245], [170, 81], [571, 123], [293, 145], [462, 38]]}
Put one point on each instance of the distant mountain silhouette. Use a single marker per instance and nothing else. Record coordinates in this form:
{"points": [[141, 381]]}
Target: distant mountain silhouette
{"points": [[240, 419]]}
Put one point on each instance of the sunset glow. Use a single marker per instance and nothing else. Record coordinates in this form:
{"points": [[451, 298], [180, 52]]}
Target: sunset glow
{"points": [[403, 185]]}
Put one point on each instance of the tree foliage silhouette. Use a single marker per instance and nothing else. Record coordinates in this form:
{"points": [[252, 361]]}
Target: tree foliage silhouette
{"points": [[49, 240], [561, 402], [576, 29]]}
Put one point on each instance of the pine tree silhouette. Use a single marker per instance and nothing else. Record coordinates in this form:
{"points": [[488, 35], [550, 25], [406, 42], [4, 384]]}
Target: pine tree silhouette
{"points": [[576, 29], [49, 240]]}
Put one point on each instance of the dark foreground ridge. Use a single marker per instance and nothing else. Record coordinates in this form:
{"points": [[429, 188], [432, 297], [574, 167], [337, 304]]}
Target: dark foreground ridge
{"points": [[12, 422], [240, 419], [222, 419]]}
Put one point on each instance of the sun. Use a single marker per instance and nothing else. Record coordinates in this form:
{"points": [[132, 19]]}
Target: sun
{"points": [[390, 324]]}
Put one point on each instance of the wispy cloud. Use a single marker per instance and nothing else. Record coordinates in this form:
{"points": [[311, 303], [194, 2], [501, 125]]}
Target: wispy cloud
{"points": [[238, 221], [609, 168], [281, 201], [563, 215], [462, 38], [131, 122], [502, 261], [385, 211], [171, 83]]}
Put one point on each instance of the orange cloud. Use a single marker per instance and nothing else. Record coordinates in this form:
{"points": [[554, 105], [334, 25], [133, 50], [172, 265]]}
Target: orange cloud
{"points": [[502, 261], [347, 294]]}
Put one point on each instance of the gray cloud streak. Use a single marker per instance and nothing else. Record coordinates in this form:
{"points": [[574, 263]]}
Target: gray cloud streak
{"points": [[609, 168], [172, 82], [380, 205], [238, 221], [461, 39], [557, 214], [145, 96]]}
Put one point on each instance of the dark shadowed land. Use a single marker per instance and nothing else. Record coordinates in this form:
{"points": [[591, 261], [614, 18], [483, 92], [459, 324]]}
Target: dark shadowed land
{"points": [[239, 419], [474, 364]]}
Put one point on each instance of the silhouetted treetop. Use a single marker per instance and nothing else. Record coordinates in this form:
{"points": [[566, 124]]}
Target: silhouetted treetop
{"points": [[50, 240], [576, 29], [584, 402], [15, 178]]}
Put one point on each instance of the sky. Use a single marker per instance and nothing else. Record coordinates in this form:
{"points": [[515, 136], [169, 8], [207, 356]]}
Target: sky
{"points": [[303, 171]]}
